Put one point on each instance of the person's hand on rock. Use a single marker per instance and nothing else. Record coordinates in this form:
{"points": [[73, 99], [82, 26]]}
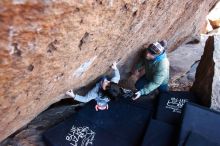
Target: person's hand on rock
{"points": [[114, 65], [70, 93]]}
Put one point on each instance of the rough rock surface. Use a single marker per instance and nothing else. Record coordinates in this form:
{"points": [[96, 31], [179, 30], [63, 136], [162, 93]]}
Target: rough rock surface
{"points": [[182, 58], [183, 63], [207, 83], [31, 135], [50, 46]]}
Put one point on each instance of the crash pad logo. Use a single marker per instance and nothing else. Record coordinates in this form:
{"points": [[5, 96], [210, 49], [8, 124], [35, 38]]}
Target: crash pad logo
{"points": [[80, 136], [176, 104]]}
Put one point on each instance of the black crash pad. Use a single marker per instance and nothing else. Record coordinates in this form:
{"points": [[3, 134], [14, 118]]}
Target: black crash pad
{"points": [[146, 102], [75, 132], [202, 120], [196, 139], [122, 124], [170, 106], [159, 134]]}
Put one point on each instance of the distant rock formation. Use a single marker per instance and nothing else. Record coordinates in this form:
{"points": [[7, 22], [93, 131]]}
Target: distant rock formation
{"points": [[207, 82]]}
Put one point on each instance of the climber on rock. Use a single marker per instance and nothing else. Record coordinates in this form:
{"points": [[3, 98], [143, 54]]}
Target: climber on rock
{"points": [[156, 66], [104, 91]]}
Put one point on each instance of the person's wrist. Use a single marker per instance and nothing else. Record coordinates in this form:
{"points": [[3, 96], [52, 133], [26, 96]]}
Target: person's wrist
{"points": [[141, 92]]}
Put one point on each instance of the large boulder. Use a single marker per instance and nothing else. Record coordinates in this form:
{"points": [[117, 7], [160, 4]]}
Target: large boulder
{"points": [[182, 59], [183, 63], [31, 135], [48, 47], [207, 83]]}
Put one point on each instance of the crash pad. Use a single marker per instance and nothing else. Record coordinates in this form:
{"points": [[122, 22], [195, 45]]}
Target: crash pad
{"points": [[196, 139], [202, 120], [122, 124], [159, 134], [170, 104]]}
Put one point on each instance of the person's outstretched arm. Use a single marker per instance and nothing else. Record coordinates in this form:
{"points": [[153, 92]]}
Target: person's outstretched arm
{"points": [[156, 81], [138, 69], [116, 77], [139, 65], [92, 94]]}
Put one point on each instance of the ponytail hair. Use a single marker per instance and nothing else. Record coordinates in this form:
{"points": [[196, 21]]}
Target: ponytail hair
{"points": [[113, 91]]}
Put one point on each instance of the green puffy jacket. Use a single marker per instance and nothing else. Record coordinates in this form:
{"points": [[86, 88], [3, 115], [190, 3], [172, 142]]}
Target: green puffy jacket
{"points": [[157, 73]]}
